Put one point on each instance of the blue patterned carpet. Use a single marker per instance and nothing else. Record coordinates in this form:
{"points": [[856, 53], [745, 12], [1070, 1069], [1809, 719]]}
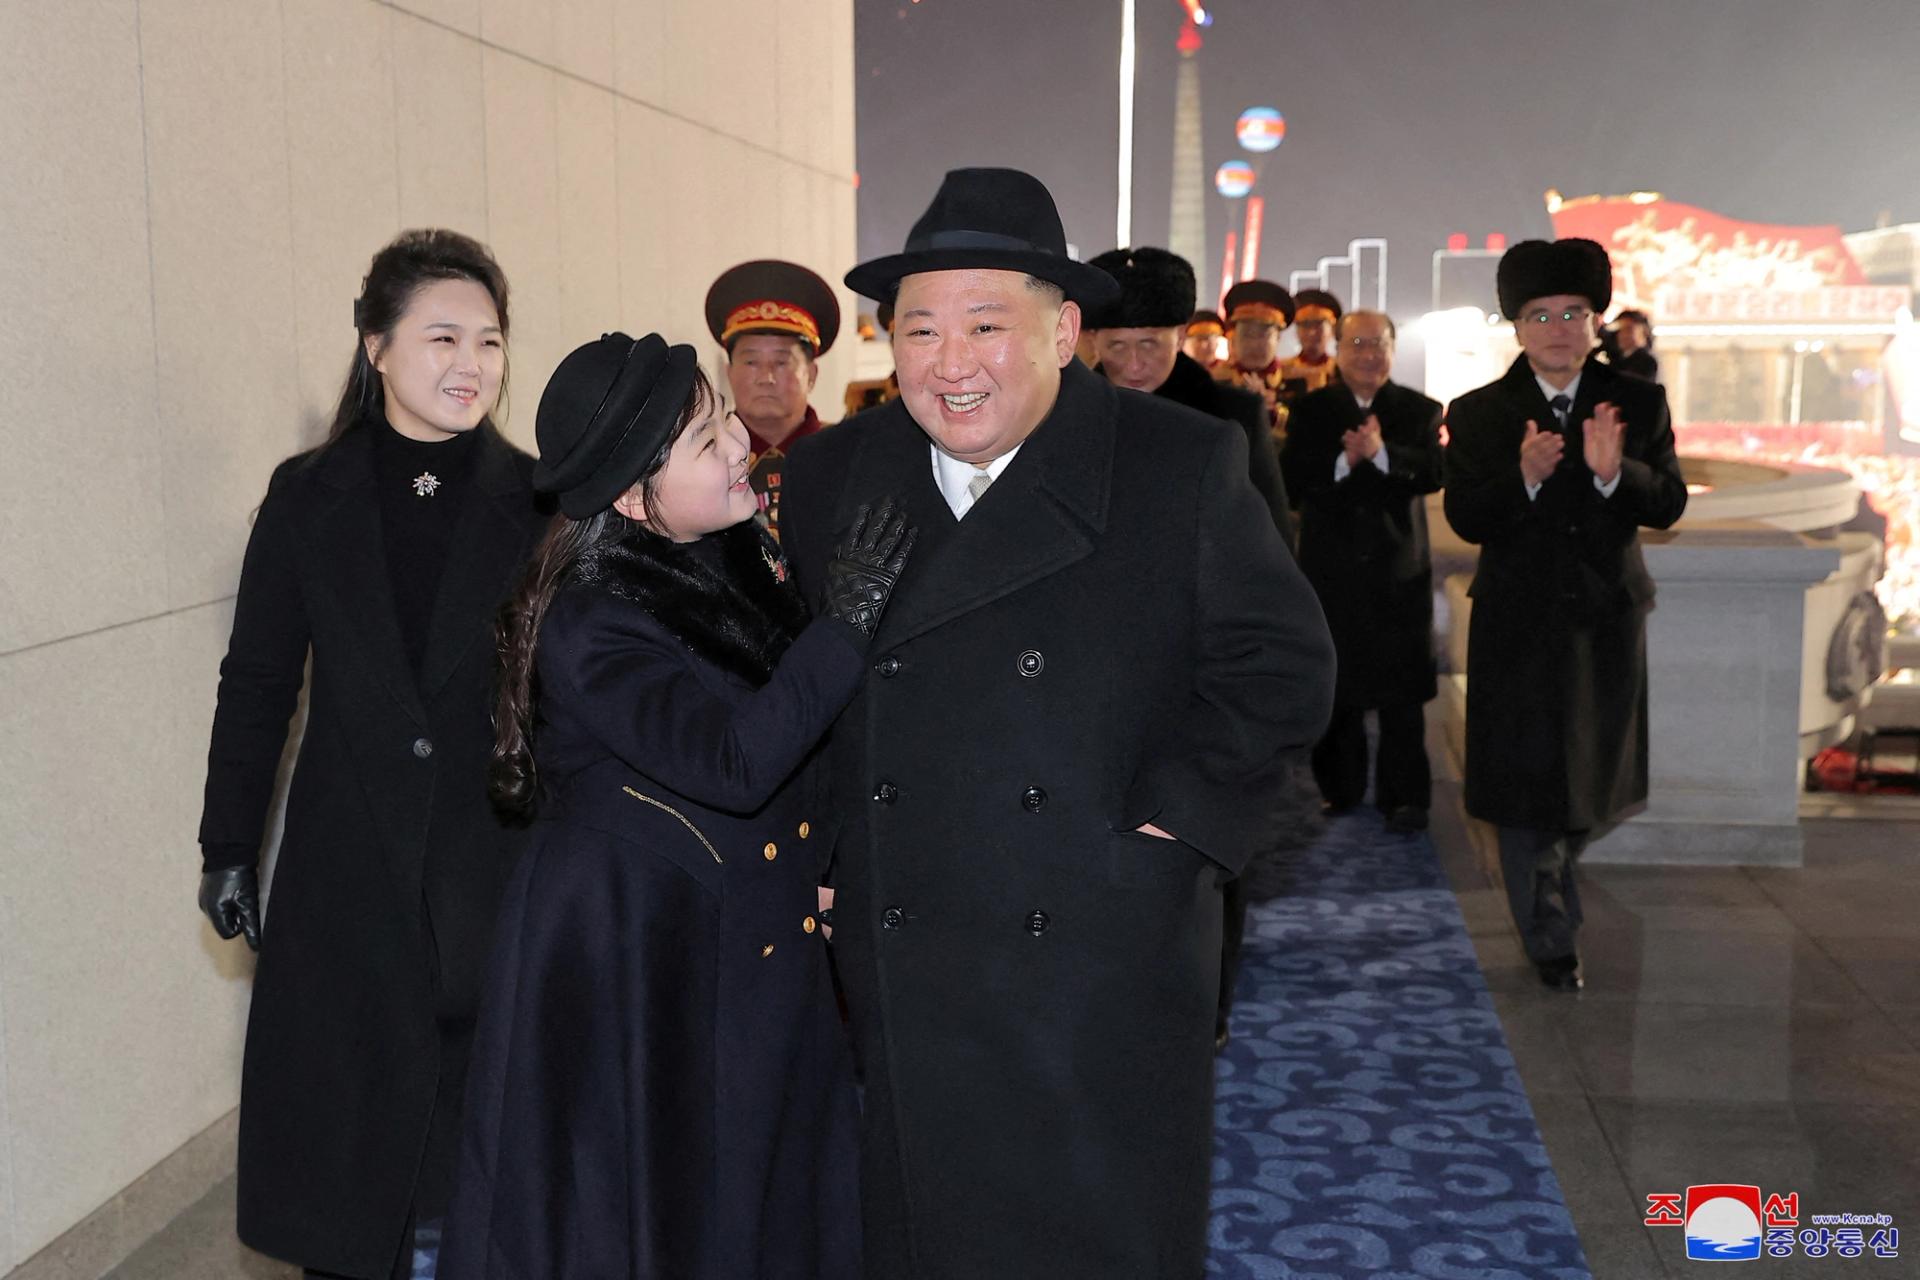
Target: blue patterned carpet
{"points": [[1370, 1122]]}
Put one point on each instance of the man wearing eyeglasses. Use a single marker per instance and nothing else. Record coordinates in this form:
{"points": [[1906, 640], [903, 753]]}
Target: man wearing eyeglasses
{"points": [[1360, 458], [1553, 470]]}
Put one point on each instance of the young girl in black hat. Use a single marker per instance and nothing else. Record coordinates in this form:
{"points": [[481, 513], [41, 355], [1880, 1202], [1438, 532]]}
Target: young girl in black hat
{"points": [[375, 565], [660, 1085]]}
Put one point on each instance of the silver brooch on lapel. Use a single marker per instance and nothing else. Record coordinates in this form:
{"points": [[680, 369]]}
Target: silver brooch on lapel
{"points": [[425, 483]]}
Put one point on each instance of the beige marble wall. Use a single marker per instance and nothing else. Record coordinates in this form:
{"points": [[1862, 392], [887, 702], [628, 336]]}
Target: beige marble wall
{"points": [[189, 193]]}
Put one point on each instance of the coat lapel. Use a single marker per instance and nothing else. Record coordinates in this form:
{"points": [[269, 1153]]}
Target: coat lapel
{"points": [[354, 565], [488, 546], [1042, 515]]}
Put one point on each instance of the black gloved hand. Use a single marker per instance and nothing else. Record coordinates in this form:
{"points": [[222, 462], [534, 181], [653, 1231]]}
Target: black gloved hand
{"points": [[230, 897], [866, 566]]}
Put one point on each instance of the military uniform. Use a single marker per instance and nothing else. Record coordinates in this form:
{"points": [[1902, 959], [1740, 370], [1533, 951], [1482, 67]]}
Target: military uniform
{"points": [[1300, 376], [1261, 301], [785, 299]]}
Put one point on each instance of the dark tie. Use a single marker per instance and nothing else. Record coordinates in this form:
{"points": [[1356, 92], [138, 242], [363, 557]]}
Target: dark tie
{"points": [[1562, 407]]}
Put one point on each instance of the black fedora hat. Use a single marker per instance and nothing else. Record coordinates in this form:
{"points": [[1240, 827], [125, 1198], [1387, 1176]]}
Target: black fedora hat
{"points": [[606, 412], [991, 219]]}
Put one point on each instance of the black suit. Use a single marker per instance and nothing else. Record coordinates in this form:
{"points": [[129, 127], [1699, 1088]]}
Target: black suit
{"points": [[1191, 385], [1363, 546], [1114, 635], [391, 867], [1556, 658]]}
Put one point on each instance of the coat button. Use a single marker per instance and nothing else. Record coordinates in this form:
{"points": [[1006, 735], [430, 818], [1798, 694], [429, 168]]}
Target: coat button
{"points": [[808, 925], [806, 829], [886, 793], [888, 666], [892, 918], [1034, 799], [1032, 663], [772, 851], [422, 748], [1037, 922], [766, 951]]}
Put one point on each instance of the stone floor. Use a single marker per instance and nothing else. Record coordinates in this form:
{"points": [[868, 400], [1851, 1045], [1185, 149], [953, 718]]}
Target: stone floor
{"points": [[1745, 1026], [1739, 1025]]}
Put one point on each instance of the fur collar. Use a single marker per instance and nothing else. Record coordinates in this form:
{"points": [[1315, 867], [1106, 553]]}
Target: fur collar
{"points": [[734, 610]]}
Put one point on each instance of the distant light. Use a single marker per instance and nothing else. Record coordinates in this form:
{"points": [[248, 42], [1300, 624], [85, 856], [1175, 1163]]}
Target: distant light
{"points": [[1554, 200], [1233, 179], [1457, 242], [1496, 241], [1260, 128]]}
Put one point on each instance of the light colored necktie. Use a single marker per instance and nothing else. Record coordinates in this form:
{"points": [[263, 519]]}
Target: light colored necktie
{"points": [[1562, 407], [978, 485]]}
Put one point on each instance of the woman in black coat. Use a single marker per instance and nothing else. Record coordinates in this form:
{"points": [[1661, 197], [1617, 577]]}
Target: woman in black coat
{"points": [[373, 569], [660, 1084]]}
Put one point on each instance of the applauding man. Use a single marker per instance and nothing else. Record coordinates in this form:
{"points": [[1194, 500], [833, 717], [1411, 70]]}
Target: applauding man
{"points": [[1361, 456], [1553, 470]]}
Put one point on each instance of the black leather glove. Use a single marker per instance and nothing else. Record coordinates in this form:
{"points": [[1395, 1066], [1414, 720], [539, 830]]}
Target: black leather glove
{"points": [[866, 566], [230, 897]]}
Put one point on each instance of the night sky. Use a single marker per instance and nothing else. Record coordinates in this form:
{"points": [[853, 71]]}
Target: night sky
{"points": [[1408, 119]]}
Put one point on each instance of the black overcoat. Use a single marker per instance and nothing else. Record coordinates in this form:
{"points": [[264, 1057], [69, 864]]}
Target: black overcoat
{"points": [[1556, 647], [1113, 636], [392, 862], [1191, 385], [661, 1085], [1363, 538]]}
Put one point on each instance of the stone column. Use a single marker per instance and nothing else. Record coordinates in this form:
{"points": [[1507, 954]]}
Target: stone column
{"points": [[1724, 655]]}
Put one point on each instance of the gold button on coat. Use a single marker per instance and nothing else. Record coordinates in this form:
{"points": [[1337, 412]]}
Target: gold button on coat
{"points": [[806, 829], [766, 951], [808, 924], [772, 851]]}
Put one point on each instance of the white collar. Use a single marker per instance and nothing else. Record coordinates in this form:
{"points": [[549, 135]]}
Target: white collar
{"points": [[1571, 391], [952, 476]]}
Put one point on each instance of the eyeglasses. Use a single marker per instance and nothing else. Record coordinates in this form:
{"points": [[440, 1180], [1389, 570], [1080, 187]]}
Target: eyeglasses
{"points": [[1368, 344], [1572, 315]]}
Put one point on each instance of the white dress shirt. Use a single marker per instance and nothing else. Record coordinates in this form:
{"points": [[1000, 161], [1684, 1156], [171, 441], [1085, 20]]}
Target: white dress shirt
{"points": [[1572, 392], [953, 476], [1379, 459]]}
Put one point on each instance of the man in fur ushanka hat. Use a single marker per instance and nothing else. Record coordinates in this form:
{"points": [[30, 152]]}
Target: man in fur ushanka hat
{"points": [[1553, 470]]}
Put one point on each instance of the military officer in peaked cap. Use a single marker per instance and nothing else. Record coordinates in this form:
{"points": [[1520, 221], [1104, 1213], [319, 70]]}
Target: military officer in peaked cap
{"points": [[775, 319], [1258, 312], [1076, 721], [1316, 317], [1553, 470]]}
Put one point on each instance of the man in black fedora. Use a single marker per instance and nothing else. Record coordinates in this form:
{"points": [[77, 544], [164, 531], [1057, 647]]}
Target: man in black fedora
{"points": [[1077, 718], [1553, 470]]}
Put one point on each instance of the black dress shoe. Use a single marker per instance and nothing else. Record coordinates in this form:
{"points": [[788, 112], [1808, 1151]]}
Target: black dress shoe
{"points": [[1405, 820], [1562, 973]]}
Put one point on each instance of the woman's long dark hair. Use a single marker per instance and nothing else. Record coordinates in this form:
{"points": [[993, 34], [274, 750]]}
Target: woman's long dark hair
{"points": [[412, 261], [512, 779]]}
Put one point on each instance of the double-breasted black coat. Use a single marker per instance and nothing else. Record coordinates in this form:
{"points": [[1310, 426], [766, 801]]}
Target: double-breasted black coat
{"points": [[392, 862], [1363, 537], [1113, 636], [1556, 647], [661, 1085]]}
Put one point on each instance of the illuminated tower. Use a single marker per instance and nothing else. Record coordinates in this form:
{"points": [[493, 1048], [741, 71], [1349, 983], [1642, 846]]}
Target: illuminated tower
{"points": [[1187, 222]]}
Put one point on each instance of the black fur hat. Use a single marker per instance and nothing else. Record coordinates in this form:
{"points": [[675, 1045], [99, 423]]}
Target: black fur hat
{"points": [[1544, 268], [1156, 290]]}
